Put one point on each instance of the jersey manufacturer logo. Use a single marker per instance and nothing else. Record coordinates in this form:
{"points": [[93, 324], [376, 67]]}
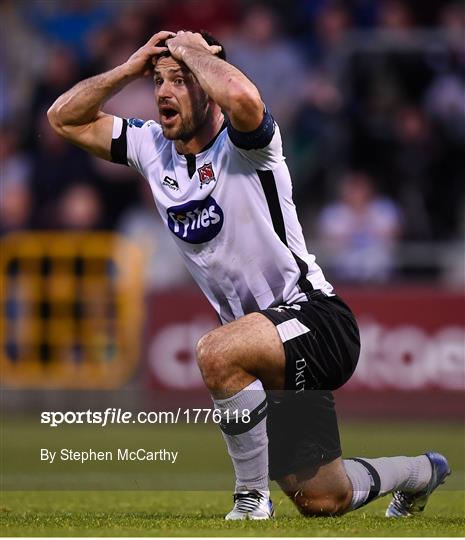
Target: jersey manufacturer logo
{"points": [[170, 183], [196, 222], [206, 174]]}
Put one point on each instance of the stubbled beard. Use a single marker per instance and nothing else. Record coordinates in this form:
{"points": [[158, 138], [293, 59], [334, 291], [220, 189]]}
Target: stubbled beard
{"points": [[184, 132], [189, 127]]}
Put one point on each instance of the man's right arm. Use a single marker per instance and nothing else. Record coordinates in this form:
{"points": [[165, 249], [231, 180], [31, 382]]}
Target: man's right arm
{"points": [[77, 116]]}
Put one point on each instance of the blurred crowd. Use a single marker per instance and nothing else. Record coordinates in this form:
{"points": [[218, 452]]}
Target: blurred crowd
{"points": [[369, 95]]}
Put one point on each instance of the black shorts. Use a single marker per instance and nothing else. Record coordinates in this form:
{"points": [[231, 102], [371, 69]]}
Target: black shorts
{"points": [[322, 344]]}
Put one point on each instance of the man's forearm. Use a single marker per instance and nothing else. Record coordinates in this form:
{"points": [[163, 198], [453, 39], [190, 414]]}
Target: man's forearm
{"points": [[81, 104], [224, 83]]}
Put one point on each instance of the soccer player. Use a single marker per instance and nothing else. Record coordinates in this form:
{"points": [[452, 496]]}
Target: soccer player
{"points": [[221, 184]]}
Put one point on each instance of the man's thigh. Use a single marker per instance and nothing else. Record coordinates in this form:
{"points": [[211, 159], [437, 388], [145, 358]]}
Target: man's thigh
{"points": [[307, 346], [251, 343]]}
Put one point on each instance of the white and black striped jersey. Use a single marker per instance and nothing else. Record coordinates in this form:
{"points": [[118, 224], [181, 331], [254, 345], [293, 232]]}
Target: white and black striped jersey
{"points": [[230, 211]]}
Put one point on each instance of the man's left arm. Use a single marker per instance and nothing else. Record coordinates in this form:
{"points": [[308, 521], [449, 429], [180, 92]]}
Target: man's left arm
{"points": [[225, 84]]}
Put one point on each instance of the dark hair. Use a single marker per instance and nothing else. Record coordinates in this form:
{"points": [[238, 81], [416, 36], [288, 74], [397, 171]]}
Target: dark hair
{"points": [[207, 37]]}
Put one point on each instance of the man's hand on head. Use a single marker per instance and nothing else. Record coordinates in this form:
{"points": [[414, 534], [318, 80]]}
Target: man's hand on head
{"points": [[183, 41], [140, 64]]}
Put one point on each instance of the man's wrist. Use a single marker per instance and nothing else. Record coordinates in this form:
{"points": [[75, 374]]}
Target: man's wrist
{"points": [[126, 73], [186, 51]]}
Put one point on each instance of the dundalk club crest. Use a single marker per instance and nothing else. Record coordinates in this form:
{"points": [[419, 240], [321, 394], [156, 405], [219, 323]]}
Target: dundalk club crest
{"points": [[206, 174]]}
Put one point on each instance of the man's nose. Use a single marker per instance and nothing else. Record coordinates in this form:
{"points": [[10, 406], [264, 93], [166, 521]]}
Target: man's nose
{"points": [[163, 91]]}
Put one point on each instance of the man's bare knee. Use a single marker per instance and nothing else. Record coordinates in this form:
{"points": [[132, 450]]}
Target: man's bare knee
{"points": [[233, 356], [319, 490], [212, 360], [321, 504], [219, 360]]}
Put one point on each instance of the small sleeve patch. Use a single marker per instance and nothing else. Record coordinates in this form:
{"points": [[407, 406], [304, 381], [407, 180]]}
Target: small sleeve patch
{"points": [[135, 122], [254, 140], [119, 144]]}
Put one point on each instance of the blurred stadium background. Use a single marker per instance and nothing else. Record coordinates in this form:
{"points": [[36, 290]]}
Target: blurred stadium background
{"points": [[370, 96]]}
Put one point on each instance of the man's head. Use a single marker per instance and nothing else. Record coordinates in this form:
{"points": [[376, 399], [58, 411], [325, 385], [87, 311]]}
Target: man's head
{"points": [[183, 106]]}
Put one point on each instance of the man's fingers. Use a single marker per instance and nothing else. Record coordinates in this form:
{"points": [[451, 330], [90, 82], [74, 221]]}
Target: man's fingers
{"points": [[160, 36], [155, 53], [158, 50], [192, 39]]}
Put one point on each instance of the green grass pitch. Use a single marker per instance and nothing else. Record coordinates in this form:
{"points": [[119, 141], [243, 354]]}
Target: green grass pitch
{"points": [[200, 513]]}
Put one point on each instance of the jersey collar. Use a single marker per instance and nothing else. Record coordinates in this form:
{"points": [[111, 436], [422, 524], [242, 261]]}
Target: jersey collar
{"points": [[191, 158]]}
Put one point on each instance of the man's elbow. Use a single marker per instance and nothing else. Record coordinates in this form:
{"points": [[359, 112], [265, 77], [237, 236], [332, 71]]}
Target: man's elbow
{"points": [[55, 120], [61, 127]]}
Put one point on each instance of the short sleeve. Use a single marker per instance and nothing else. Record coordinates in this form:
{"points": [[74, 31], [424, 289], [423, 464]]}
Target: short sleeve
{"points": [[263, 146], [132, 139]]}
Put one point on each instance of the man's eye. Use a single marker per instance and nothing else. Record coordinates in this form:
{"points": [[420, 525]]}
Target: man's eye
{"points": [[178, 81], [158, 82]]}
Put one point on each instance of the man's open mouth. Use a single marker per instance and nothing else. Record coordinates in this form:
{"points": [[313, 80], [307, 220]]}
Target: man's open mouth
{"points": [[167, 113]]}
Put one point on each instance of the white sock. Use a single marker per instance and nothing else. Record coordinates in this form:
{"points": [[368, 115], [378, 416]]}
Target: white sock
{"points": [[373, 478], [247, 442]]}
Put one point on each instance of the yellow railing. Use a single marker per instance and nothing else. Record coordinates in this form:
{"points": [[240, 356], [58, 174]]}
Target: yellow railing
{"points": [[71, 310]]}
